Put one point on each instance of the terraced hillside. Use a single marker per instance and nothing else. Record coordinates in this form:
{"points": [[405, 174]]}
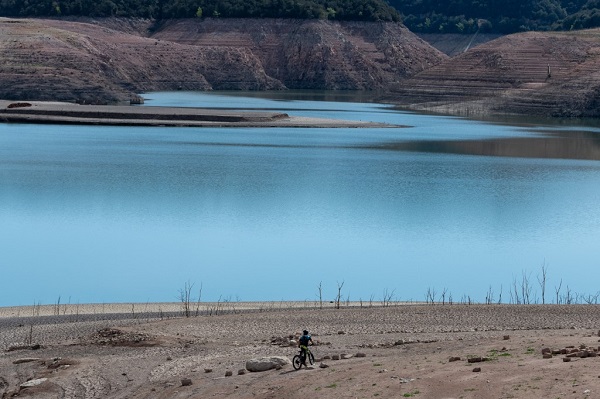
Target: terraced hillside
{"points": [[103, 61], [113, 60], [533, 73], [315, 54], [59, 60]]}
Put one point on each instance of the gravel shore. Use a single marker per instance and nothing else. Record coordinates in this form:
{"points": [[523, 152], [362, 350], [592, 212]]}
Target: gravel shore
{"points": [[403, 349]]}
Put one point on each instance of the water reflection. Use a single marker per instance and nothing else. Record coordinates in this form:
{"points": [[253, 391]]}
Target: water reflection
{"points": [[508, 136], [560, 145]]}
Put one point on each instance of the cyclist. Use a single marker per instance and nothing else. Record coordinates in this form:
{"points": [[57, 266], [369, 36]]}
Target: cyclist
{"points": [[303, 344]]}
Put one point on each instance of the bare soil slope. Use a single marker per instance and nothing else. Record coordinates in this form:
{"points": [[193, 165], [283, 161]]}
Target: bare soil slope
{"points": [[113, 60], [451, 351], [551, 73], [315, 54], [70, 61], [454, 44]]}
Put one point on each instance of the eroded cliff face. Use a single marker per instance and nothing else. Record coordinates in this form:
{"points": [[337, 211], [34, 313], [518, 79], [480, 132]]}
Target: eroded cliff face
{"points": [[315, 54], [102, 61]]}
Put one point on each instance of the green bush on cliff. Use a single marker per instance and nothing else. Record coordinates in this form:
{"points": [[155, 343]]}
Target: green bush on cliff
{"points": [[361, 10], [502, 16], [426, 16]]}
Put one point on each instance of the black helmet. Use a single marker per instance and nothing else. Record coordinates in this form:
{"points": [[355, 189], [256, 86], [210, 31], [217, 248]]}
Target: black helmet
{"points": [[305, 332]]}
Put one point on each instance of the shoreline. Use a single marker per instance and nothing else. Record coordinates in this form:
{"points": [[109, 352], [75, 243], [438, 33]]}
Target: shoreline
{"points": [[127, 115], [202, 308], [428, 351], [122, 310]]}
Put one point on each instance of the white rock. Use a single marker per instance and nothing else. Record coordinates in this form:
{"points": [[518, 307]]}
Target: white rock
{"points": [[266, 363], [33, 383]]}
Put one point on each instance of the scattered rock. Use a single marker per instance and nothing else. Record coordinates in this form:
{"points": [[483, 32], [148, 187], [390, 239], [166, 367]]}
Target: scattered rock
{"points": [[341, 332], [335, 357], [60, 363], [506, 337], [454, 359], [477, 370], [228, 373], [284, 341], [33, 383], [361, 354], [186, 382], [547, 356], [241, 371], [116, 337], [323, 365], [475, 359], [566, 359], [266, 363], [208, 370], [26, 360], [346, 356], [24, 347], [18, 105]]}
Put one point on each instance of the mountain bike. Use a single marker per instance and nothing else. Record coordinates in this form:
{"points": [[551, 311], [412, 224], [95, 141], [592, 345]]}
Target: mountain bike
{"points": [[300, 359]]}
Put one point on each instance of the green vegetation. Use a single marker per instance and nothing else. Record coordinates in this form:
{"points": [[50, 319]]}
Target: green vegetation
{"points": [[495, 354], [426, 16], [356, 10], [500, 16]]}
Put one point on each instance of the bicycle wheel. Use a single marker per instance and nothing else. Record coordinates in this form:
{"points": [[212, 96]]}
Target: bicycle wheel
{"points": [[297, 362], [311, 358]]}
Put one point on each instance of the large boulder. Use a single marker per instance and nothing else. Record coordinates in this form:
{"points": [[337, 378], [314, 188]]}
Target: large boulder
{"points": [[266, 363]]}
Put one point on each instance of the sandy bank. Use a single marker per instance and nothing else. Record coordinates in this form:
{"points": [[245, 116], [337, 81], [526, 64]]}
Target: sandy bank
{"points": [[67, 113]]}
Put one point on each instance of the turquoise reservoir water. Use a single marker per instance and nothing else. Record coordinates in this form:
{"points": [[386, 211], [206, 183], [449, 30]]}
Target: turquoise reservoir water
{"points": [[130, 214]]}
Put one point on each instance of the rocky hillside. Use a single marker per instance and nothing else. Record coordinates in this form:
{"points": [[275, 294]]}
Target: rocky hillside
{"points": [[112, 60], [315, 54], [556, 74]]}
